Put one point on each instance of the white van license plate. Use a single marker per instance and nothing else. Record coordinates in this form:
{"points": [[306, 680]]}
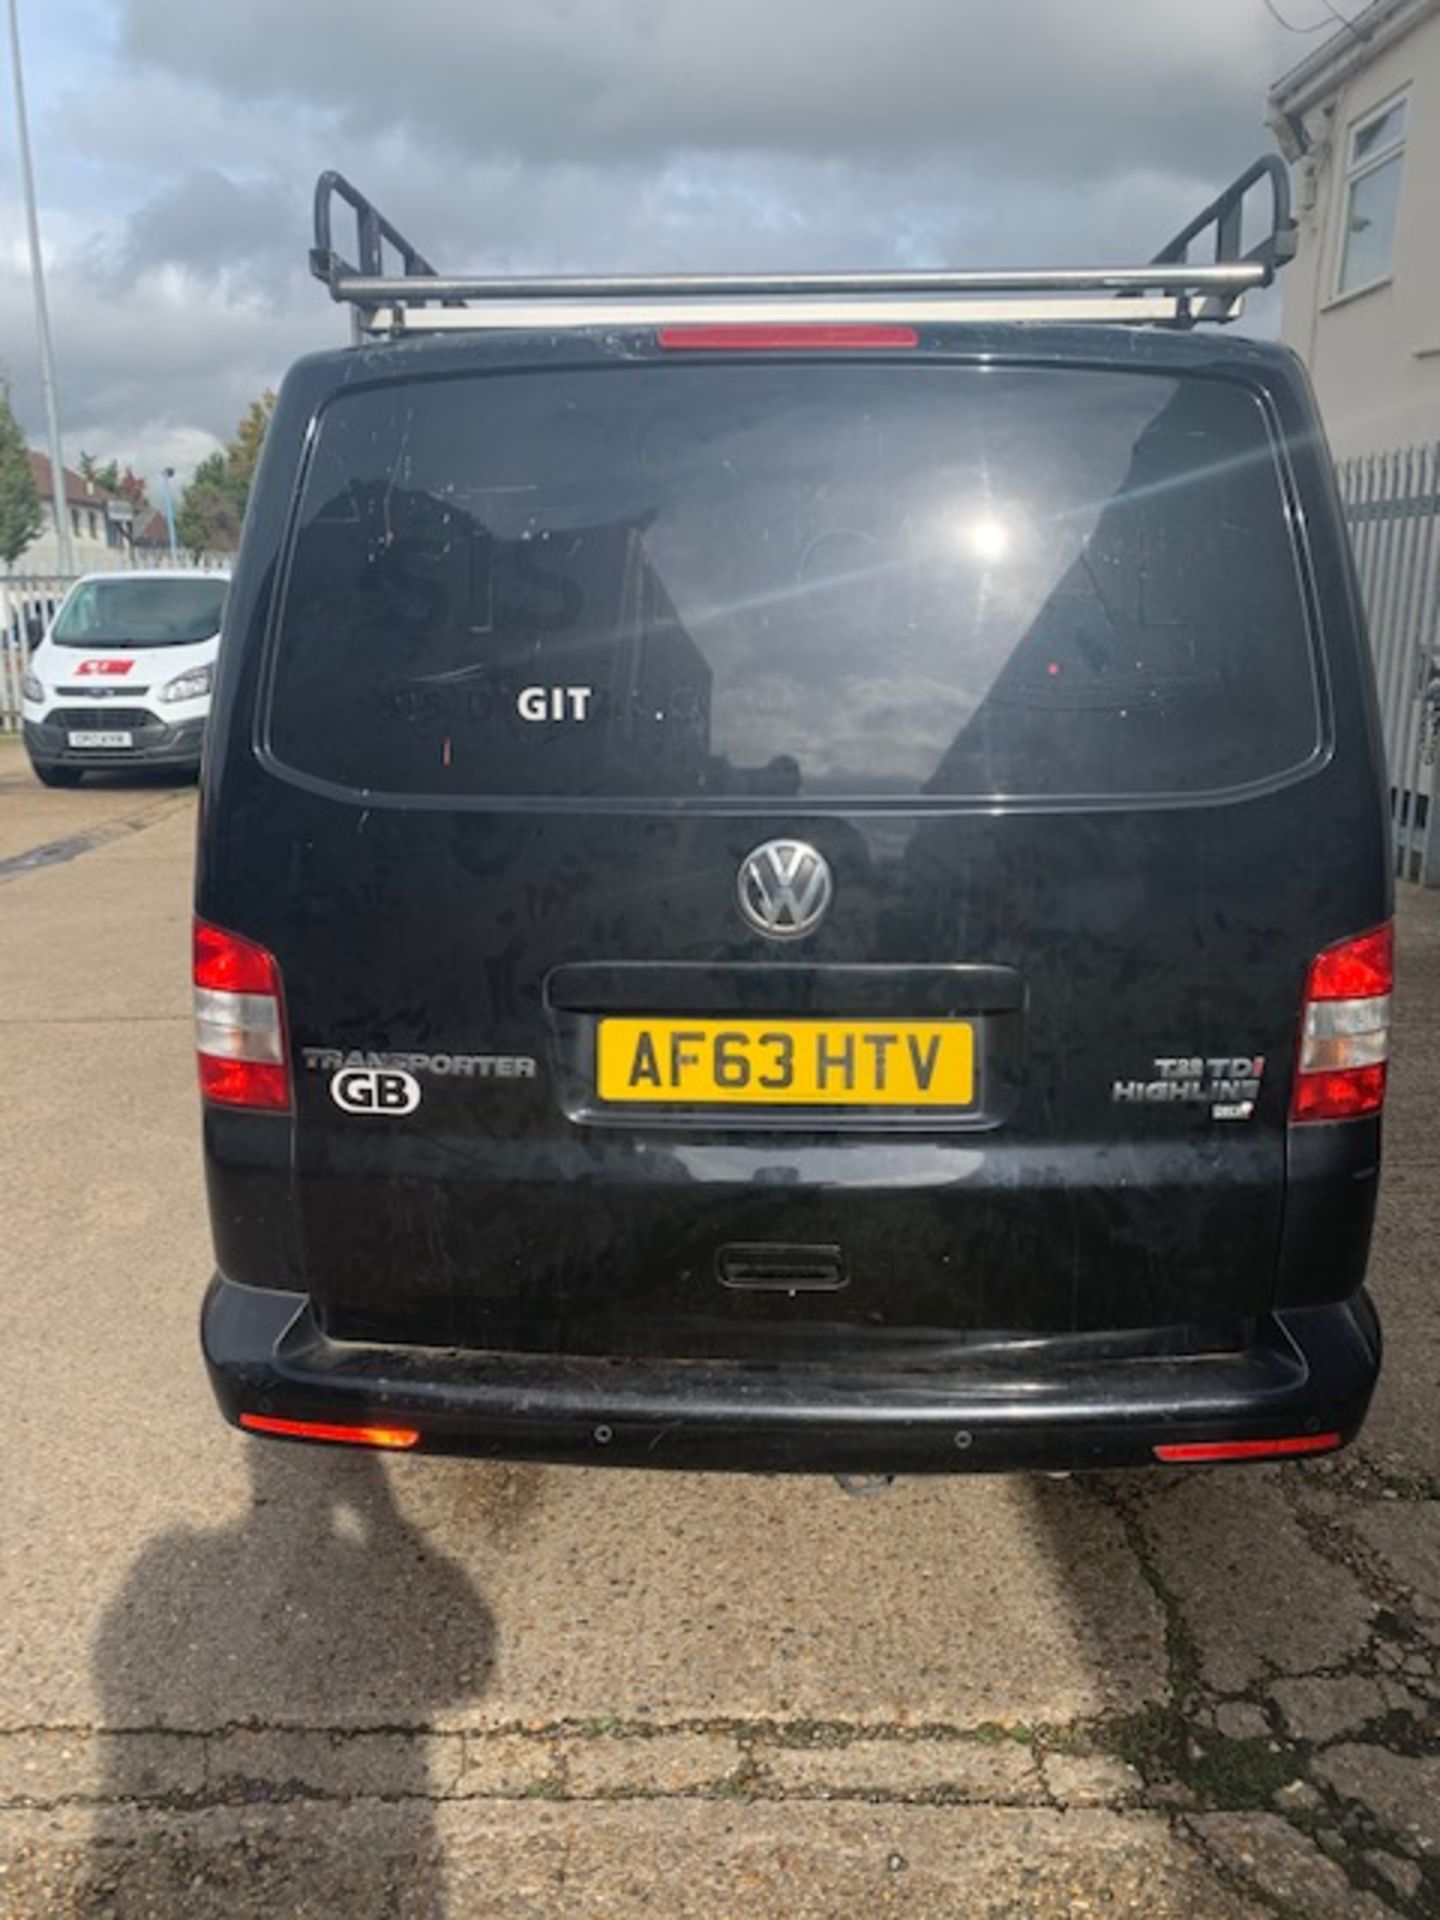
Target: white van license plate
{"points": [[101, 739]]}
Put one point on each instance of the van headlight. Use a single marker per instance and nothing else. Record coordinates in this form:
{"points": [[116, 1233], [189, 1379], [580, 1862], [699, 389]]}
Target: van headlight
{"points": [[188, 686], [31, 686]]}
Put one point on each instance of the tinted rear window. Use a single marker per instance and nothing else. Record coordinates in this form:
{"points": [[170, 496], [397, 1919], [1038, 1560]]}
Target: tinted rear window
{"points": [[794, 579]]}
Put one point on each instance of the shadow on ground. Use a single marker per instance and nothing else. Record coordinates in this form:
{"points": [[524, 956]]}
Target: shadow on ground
{"points": [[137, 779], [322, 1609]]}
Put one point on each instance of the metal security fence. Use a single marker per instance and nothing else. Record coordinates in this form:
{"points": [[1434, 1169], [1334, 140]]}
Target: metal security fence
{"points": [[27, 605], [1392, 504]]}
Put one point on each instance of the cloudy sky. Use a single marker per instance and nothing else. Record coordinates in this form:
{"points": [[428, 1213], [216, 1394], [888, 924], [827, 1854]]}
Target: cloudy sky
{"points": [[176, 143]]}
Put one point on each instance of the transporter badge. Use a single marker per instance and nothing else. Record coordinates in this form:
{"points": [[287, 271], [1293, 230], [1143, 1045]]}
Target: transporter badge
{"points": [[365, 1080]]}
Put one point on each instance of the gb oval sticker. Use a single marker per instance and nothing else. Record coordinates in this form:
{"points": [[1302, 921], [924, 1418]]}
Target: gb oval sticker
{"points": [[375, 1090]]}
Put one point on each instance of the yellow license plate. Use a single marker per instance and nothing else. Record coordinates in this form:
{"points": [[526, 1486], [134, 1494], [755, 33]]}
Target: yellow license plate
{"points": [[795, 1063]]}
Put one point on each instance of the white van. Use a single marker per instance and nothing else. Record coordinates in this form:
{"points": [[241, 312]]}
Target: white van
{"points": [[122, 677]]}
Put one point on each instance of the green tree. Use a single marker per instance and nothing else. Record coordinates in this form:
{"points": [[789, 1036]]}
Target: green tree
{"points": [[209, 514], [243, 452], [107, 476], [22, 514], [212, 506], [127, 485]]}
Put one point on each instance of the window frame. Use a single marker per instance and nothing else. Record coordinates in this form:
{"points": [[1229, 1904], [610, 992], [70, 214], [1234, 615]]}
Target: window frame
{"points": [[1392, 154]]}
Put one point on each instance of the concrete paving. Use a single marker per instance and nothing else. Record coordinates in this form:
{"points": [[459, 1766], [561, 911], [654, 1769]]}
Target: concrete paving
{"points": [[238, 1679]]}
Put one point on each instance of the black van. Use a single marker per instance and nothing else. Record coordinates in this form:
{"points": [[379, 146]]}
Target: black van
{"points": [[794, 875]]}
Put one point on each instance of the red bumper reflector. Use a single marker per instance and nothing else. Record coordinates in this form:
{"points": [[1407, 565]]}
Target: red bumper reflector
{"points": [[740, 338], [323, 1430], [1195, 1452]]}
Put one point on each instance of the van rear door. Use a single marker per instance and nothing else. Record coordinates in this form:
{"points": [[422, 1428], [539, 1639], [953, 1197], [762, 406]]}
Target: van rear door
{"points": [[1009, 668]]}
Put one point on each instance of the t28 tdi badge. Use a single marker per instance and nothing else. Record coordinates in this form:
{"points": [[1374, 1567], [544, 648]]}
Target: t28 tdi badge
{"points": [[1229, 1084]]}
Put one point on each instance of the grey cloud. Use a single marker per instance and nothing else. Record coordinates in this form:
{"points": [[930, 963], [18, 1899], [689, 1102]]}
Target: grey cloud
{"points": [[723, 211], [1037, 86], [160, 374], [208, 222]]}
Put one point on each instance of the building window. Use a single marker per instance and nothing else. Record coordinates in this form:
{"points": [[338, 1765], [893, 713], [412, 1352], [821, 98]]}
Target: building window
{"points": [[1372, 194], [75, 521], [94, 525]]}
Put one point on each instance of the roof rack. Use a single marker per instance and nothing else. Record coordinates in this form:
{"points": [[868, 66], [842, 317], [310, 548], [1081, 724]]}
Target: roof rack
{"points": [[1169, 290]]}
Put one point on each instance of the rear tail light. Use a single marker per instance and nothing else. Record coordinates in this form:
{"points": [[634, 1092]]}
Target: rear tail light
{"points": [[393, 1437], [1345, 1029], [239, 1022]]}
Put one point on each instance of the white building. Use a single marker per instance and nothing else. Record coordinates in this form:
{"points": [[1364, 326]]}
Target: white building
{"points": [[1360, 121], [97, 544]]}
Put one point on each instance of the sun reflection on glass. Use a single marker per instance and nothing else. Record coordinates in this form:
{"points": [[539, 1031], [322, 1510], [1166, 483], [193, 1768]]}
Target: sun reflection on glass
{"points": [[987, 538]]}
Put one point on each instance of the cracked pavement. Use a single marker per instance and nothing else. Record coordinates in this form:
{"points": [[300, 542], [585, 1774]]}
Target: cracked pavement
{"points": [[245, 1680]]}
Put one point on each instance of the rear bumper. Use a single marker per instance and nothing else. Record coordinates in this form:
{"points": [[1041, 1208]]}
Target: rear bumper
{"points": [[179, 745], [1051, 1404]]}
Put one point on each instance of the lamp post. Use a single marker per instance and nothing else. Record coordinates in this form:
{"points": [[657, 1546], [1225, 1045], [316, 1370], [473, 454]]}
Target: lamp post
{"points": [[65, 553], [167, 474]]}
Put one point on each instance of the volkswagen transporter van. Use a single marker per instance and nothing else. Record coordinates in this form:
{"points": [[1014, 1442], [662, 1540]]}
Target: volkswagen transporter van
{"points": [[794, 875]]}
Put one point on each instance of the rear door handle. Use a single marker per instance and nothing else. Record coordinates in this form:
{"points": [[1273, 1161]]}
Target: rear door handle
{"points": [[775, 1267]]}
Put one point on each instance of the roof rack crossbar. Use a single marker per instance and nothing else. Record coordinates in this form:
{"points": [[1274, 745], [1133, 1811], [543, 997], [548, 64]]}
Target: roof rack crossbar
{"points": [[1169, 288], [1230, 277]]}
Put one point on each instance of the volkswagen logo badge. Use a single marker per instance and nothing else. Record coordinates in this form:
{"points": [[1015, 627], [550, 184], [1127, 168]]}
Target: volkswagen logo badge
{"points": [[785, 888]]}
